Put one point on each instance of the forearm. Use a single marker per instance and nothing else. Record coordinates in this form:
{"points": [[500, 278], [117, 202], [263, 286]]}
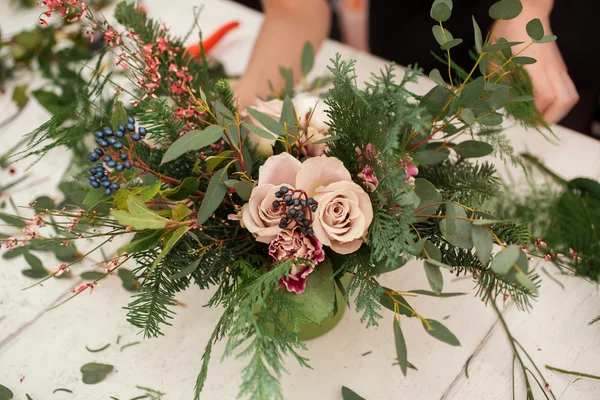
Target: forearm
{"points": [[541, 7], [287, 26]]}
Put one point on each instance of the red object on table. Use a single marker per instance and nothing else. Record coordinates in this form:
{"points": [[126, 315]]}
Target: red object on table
{"points": [[212, 40]]}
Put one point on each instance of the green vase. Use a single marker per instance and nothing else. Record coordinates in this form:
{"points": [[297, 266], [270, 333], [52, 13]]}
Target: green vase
{"points": [[311, 330]]}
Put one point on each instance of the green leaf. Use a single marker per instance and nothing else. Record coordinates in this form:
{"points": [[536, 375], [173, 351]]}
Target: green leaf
{"points": [[527, 283], [180, 211], [7, 394], [244, 189], [403, 307], [34, 262], [436, 77], [316, 303], [383, 267], [92, 275], [288, 115], [119, 116], [327, 139], [450, 218], [440, 332], [95, 372], [401, 351], [186, 271], [472, 92], [483, 242], [500, 46], [478, 37], [436, 99], [94, 197], [431, 251], [142, 241], [462, 237], [259, 131], [486, 221], [522, 60], [522, 98], [467, 116], [498, 98], [139, 216], [473, 149], [214, 161], [308, 58], [128, 279], [491, 119], [193, 140], [215, 193], [428, 293], [505, 9], [434, 276], [441, 35], [35, 273], [145, 193], [431, 157], [441, 10], [348, 394], [547, 39], [184, 190], [483, 64], [170, 241], [428, 195], [269, 123], [19, 96], [12, 220], [50, 101], [503, 261], [450, 44], [535, 29], [586, 185]]}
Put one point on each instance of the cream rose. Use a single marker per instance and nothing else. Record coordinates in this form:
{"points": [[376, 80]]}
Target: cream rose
{"points": [[271, 108], [344, 211], [312, 118]]}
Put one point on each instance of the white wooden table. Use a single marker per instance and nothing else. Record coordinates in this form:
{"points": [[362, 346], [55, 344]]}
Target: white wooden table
{"points": [[46, 349]]}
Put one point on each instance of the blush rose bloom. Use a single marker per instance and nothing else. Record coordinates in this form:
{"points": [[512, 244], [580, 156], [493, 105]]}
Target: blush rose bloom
{"points": [[293, 244], [308, 109], [343, 215]]}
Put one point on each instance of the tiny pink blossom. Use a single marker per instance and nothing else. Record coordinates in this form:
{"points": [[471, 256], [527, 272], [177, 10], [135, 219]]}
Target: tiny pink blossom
{"points": [[367, 176], [411, 171], [60, 269], [540, 243], [574, 254], [84, 286]]}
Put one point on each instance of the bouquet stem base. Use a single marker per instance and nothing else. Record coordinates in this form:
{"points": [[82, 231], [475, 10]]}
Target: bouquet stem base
{"points": [[311, 330]]}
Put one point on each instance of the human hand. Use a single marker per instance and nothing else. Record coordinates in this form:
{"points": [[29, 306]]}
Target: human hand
{"points": [[553, 90]]}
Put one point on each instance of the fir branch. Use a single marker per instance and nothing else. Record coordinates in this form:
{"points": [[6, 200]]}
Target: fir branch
{"points": [[463, 182], [152, 305]]}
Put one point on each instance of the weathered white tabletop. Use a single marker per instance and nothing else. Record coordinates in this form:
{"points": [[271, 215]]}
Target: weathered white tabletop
{"points": [[46, 349]]}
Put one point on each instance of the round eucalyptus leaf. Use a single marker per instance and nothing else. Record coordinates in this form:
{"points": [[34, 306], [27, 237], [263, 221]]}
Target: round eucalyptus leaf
{"points": [[467, 116], [473, 149], [506, 9], [498, 98], [450, 44], [535, 29], [440, 11], [503, 261], [441, 35], [492, 119]]}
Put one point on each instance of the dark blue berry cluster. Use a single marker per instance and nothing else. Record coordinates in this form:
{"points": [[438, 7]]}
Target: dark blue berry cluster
{"points": [[107, 138], [299, 208]]}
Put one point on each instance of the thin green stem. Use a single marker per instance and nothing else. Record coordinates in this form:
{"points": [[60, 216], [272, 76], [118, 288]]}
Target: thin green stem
{"points": [[565, 371]]}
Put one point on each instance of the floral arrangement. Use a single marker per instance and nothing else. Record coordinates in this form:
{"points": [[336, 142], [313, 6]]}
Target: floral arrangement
{"points": [[273, 205]]}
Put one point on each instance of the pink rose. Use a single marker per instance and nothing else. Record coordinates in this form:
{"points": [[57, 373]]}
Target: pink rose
{"points": [[259, 215], [367, 176], [294, 244], [343, 212]]}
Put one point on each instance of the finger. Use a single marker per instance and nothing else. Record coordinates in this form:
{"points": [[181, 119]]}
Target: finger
{"points": [[565, 96], [542, 89]]}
